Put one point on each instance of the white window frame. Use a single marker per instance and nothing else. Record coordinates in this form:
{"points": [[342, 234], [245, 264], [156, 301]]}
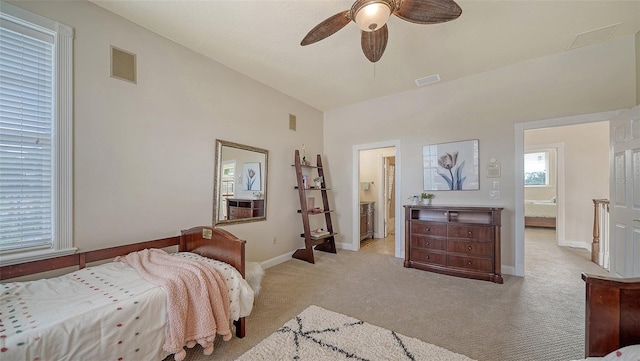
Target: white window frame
{"points": [[62, 233]]}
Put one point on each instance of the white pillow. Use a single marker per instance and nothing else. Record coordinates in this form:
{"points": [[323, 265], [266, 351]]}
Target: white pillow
{"points": [[628, 353]]}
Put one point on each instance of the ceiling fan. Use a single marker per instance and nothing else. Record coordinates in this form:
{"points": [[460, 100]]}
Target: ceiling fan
{"points": [[371, 17]]}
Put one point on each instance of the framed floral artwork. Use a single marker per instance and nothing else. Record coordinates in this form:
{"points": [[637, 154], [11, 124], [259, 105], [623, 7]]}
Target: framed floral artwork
{"points": [[252, 177], [451, 166]]}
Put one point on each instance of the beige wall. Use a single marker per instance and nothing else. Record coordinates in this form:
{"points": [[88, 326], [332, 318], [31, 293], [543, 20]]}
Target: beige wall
{"points": [[586, 173], [483, 106], [143, 157]]}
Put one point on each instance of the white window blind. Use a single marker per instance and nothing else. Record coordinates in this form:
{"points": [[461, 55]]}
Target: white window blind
{"points": [[36, 139], [26, 119]]}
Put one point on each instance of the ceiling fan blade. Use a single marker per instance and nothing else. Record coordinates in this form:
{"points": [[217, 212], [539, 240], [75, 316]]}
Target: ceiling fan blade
{"points": [[327, 28], [374, 42], [428, 11]]}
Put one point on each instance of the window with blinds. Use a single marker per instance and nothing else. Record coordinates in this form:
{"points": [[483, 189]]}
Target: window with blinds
{"points": [[26, 127], [35, 136]]}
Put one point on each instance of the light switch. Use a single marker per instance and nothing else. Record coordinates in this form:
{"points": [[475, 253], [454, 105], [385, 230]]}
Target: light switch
{"points": [[494, 195]]}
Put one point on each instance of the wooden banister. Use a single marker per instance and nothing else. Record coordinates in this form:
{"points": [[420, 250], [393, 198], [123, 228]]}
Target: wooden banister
{"points": [[599, 205]]}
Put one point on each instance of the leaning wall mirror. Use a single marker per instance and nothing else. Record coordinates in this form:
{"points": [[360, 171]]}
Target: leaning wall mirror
{"points": [[240, 183]]}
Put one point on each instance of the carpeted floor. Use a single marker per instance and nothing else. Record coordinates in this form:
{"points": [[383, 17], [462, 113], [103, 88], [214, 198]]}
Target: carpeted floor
{"points": [[538, 317]]}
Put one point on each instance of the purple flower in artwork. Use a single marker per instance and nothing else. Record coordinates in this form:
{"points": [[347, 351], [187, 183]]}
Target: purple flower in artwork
{"points": [[448, 161]]}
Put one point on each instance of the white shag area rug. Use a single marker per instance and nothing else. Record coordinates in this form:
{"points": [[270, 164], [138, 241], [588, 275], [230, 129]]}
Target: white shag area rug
{"points": [[318, 334]]}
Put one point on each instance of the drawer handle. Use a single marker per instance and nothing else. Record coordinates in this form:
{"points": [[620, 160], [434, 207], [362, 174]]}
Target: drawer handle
{"points": [[428, 229], [469, 263], [469, 248], [428, 243], [470, 233], [427, 257]]}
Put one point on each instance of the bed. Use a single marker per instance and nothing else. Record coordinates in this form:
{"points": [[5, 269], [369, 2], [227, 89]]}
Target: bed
{"points": [[109, 311], [612, 322], [540, 213]]}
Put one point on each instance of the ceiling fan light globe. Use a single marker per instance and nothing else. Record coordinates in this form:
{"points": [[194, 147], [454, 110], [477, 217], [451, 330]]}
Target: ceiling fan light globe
{"points": [[372, 16]]}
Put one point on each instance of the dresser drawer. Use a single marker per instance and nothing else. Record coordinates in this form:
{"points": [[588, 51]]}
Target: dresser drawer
{"points": [[427, 228], [428, 242], [480, 249], [478, 233], [239, 212], [425, 256], [472, 263]]}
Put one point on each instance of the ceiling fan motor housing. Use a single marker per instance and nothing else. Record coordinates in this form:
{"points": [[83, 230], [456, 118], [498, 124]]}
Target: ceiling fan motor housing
{"points": [[371, 15]]}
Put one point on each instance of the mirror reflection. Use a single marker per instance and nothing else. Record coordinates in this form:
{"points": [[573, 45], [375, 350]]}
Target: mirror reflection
{"points": [[240, 186]]}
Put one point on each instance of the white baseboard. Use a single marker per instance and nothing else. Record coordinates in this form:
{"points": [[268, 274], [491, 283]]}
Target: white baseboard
{"points": [[508, 270], [276, 260], [347, 246], [574, 244], [287, 256]]}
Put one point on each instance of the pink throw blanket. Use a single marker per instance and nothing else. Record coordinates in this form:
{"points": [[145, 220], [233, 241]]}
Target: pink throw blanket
{"points": [[197, 298]]}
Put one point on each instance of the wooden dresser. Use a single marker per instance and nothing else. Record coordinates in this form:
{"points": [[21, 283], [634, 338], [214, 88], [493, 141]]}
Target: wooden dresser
{"points": [[454, 240], [244, 208]]}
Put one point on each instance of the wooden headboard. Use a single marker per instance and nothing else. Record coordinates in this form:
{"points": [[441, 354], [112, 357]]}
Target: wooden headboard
{"points": [[214, 243], [612, 314]]}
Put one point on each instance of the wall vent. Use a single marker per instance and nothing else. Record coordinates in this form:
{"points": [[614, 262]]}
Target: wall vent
{"points": [[123, 65], [428, 80], [593, 36], [292, 121]]}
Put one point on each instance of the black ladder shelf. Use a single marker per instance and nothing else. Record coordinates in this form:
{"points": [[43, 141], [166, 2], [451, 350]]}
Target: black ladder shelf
{"points": [[325, 243]]}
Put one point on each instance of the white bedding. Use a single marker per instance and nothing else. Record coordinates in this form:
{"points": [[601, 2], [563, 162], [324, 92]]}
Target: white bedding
{"points": [[97, 313], [536, 208], [628, 353]]}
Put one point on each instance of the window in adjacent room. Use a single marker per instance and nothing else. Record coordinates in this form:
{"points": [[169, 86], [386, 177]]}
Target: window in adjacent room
{"points": [[536, 168], [35, 136]]}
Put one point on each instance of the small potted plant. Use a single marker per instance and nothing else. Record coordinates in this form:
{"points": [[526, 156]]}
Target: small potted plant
{"points": [[318, 182], [426, 198]]}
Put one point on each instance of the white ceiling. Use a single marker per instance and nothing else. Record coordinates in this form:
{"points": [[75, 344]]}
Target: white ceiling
{"points": [[261, 39]]}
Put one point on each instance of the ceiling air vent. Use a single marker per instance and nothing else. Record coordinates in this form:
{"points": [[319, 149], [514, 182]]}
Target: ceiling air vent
{"points": [[428, 80], [593, 36]]}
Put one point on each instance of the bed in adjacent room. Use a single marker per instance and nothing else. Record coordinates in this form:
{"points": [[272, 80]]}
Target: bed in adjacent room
{"points": [[540, 213], [112, 311]]}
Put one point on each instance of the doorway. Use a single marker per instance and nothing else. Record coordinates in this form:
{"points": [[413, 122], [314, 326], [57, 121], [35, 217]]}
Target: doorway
{"points": [[376, 194], [576, 239]]}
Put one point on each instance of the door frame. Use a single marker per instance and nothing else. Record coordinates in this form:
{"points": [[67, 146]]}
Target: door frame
{"points": [[519, 170], [355, 191], [384, 215]]}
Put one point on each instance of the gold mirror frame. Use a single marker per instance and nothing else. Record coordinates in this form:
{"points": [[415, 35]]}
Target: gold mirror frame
{"points": [[242, 207]]}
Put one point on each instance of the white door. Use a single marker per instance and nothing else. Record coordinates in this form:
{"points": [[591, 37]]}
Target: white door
{"points": [[624, 228]]}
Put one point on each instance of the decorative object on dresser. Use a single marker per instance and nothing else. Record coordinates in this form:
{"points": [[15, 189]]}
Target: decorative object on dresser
{"points": [[454, 240], [321, 239], [427, 198], [366, 219]]}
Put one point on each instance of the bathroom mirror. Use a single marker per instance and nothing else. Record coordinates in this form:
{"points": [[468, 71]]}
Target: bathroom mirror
{"points": [[240, 183]]}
